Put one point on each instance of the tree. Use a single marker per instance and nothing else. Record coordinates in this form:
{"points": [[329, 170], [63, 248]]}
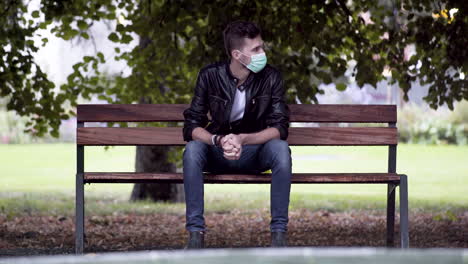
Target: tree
{"points": [[310, 42]]}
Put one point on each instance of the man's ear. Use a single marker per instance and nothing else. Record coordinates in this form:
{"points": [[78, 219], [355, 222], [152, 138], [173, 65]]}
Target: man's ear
{"points": [[242, 58], [235, 54]]}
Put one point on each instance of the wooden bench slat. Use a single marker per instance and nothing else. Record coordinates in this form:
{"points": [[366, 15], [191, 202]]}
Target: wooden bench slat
{"points": [[336, 113], [130, 112], [299, 136], [298, 113], [134, 177]]}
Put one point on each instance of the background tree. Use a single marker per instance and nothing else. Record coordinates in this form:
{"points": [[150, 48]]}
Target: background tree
{"points": [[310, 42]]}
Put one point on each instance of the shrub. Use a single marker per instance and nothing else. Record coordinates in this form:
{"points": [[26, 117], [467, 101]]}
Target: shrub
{"points": [[420, 124]]}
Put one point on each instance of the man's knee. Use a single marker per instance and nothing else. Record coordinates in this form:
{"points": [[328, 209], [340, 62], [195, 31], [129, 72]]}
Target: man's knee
{"points": [[280, 151], [195, 150], [278, 146]]}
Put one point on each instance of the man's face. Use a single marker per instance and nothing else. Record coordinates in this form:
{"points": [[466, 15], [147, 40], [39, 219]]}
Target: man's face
{"points": [[251, 47]]}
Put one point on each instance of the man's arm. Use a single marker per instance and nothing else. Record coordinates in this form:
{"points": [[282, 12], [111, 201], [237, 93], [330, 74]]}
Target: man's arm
{"points": [[195, 116], [199, 133], [260, 137], [278, 116], [232, 143]]}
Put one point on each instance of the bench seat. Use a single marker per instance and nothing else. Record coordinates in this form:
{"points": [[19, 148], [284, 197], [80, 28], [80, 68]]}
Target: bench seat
{"points": [[133, 177]]}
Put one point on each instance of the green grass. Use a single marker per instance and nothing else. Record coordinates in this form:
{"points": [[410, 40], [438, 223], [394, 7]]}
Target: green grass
{"points": [[39, 178]]}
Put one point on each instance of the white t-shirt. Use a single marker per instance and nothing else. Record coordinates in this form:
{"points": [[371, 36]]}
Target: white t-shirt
{"points": [[238, 107]]}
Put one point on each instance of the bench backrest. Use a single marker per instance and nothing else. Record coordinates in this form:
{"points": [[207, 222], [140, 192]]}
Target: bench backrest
{"points": [[298, 136]]}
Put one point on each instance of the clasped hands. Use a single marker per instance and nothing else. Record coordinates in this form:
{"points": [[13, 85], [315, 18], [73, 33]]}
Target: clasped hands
{"points": [[232, 146]]}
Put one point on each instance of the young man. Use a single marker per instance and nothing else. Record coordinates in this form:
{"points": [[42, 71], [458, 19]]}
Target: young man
{"points": [[247, 133]]}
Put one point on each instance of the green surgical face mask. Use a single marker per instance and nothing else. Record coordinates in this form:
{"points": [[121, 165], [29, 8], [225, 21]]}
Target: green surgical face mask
{"points": [[257, 62]]}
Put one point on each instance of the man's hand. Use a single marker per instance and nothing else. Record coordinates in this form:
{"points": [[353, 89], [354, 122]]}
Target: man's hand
{"points": [[232, 146]]}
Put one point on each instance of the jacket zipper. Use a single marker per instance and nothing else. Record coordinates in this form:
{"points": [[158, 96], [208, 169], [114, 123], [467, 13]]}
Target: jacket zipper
{"points": [[233, 94], [219, 98]]}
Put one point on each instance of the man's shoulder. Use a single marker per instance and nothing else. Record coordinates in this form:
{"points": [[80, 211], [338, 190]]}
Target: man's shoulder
{"points": [[271, 71], [214, 67]]}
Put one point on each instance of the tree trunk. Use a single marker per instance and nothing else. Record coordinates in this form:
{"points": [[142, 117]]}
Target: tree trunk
{"points": [[155, 159]]}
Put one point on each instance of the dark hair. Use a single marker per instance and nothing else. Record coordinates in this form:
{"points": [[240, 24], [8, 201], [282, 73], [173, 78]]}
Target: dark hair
{"points": [[236, 31]]}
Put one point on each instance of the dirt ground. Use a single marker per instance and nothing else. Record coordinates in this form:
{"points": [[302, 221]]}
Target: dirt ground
{"points": [[45, 235]]}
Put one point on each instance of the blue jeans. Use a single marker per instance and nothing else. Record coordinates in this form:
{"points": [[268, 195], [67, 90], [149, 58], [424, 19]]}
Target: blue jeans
{"points": [[274, 154]]}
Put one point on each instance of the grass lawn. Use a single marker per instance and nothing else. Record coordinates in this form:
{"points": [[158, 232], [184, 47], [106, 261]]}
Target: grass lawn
{"points": [[39, 178]]}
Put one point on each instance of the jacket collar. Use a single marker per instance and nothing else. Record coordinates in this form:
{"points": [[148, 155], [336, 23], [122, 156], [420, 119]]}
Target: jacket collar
{"points": [[250, 78]]}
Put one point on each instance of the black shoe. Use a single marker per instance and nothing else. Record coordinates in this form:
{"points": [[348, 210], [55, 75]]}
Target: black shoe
{"points": [[196, 240], [279, 239]]}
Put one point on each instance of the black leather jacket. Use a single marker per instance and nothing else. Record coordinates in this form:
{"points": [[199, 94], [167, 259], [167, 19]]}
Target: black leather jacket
{"points": [[215, 92]]}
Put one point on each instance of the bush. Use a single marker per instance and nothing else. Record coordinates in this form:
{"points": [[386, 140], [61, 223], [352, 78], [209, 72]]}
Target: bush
{"points": [[420, 124], [12, 128]]}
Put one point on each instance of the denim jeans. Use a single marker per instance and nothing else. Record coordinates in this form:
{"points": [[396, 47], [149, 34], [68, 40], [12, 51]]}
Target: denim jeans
{"points": [[200, 157]]}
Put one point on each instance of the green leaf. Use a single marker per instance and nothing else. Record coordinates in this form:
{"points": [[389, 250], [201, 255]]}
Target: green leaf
{"points": [[341, 87], [324, 77], [54, 133], [126, 38], [87, 59], [43, 25], [101, 57], [110, 16], [113, 37], [35, 14], [120, 28], [69, 33], [82, 25]]}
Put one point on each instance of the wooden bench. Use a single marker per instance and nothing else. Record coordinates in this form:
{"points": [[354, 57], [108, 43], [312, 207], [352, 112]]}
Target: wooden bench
{"points": [[298, 136]]}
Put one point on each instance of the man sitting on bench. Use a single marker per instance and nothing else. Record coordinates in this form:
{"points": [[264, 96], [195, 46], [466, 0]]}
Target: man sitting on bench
{"points": [[247, 133]]}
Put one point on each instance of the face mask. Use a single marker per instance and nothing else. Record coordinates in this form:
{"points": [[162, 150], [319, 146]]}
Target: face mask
{"points": [[257, 62]]}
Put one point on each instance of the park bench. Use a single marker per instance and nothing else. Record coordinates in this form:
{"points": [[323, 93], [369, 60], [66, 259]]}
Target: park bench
{"points": [[385, 135]]}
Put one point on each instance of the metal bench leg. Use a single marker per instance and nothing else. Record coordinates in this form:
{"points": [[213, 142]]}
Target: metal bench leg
{"points": [[79, 214], [391, 214], [79, 198], [404, 224]]}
